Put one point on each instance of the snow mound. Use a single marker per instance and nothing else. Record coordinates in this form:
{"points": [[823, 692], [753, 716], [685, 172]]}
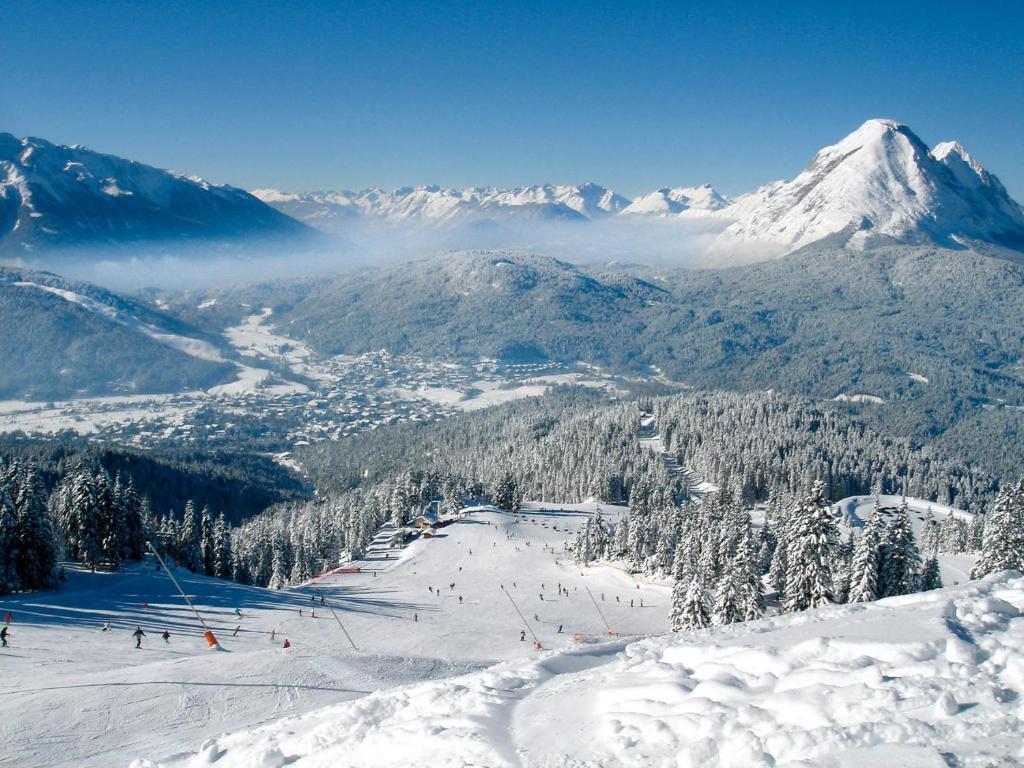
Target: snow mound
{"points": [[925, 679]]}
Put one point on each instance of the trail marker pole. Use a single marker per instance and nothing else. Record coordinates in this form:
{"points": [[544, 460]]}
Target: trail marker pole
{"points": [[599, 613], [526, 624], [207, 632], [335, 615]]}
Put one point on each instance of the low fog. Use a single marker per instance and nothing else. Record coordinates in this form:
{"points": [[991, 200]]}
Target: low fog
{"points": [[661, 242]]}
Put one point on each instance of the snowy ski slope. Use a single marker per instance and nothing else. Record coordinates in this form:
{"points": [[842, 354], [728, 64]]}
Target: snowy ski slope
{"points": [[77, 696], [931, 679]]}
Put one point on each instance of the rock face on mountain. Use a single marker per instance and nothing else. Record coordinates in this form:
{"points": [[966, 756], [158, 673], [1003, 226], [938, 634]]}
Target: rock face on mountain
{"points": [[879, 185], [60, 196]]}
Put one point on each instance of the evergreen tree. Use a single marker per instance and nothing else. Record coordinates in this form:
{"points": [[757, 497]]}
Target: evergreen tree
{"points": [[9, 550], [728, 606], [207, 542], [865, 569], [691, 607], [1003, 541], [36, 551], [222, 556], [189, 553], [507, 494], [810, 552], [901, 566], [930, 576]]}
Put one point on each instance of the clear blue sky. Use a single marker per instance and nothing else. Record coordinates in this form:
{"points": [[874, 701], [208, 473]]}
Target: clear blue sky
{"points": [[632, 95]]}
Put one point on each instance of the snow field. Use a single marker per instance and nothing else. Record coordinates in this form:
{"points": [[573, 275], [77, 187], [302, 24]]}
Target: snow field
{"points": [[930, 679], [77, 696]]}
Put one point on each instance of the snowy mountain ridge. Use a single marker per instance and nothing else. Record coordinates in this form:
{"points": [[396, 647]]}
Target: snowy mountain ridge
{"points": [[55, 195], [879, 185], [440, 205]]}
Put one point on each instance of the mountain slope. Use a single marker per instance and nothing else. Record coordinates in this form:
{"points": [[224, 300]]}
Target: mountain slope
{"points": [[879, 185], [56, 196], [927, 680], [509, 306], [62, 339]]}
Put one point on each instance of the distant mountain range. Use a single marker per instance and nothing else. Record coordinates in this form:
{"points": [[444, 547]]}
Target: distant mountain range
{"points": [[54, 196], [880, 185], [438, 206]]}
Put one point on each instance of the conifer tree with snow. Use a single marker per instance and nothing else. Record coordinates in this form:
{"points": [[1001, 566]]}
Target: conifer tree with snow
{"points": [[691, 606], [749, 579], [728, 605], [507, 494], [9, 551], [809, 553], [901, 565], [222, 553], [1002, 546], [189, 552], [865, 568], [36, 552]]}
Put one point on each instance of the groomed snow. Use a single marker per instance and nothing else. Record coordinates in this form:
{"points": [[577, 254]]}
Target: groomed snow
{"points": [[77, 697], [930, 679]]}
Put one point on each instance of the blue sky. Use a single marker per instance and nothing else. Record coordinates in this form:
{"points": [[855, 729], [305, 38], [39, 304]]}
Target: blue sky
{"points": [[632, 95]]}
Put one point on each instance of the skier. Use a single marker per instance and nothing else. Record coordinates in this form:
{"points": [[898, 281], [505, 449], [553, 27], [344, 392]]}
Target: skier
{"points": [[559, 629], [630, 603], [313, 613], [312, 598], [522, 635], [273, 635], [286, 643], [3, 637], [321, 600], [235, 633], [167, 637], [300, 612], [460, 599], [541, 597], [238, 612], [416, 618], [106, 626], [138, 634]]}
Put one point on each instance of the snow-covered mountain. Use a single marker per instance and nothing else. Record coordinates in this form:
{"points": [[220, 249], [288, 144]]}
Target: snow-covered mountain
{"points": [[880, 185], [667, 202], [433, 205], [55, 195], [65, 338]]}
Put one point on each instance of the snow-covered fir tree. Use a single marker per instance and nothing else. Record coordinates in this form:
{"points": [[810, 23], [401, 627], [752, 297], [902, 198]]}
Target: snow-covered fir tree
{"points": [[1003, 541], [810, 550]]}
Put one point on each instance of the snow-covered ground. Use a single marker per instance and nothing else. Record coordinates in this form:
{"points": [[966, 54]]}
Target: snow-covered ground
{"points": [[931, 679], [74, 695]]}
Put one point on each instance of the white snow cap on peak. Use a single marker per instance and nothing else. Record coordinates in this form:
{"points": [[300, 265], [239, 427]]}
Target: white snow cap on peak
{"points": [[880, 184]]}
